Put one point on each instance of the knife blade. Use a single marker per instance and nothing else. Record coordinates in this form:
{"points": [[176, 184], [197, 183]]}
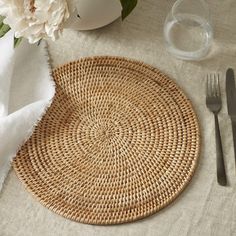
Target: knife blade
{"points": [[231, 102], [231, 93]]}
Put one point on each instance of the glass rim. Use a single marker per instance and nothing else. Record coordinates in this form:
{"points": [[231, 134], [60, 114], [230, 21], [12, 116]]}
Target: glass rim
{"points": [[205, 6]]}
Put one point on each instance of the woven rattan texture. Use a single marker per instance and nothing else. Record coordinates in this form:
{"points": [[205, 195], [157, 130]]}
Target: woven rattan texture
{"points": [[119, 142]]}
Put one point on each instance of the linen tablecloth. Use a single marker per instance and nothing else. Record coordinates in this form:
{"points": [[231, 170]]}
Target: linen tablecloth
{"points": [[26, 90], [204, 208]]}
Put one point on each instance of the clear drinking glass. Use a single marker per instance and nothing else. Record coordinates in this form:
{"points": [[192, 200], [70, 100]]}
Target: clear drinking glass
{"points": [[188, 31]]}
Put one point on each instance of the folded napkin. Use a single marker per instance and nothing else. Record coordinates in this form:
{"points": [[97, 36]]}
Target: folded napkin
{"points": [[26, 90]]}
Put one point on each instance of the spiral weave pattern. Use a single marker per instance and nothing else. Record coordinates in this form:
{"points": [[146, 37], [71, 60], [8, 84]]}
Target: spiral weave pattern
{"points": [[119, 142]]}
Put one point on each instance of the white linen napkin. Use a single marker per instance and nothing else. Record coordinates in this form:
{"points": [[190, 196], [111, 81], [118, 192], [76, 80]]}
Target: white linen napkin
{"points": [[26, 90]]}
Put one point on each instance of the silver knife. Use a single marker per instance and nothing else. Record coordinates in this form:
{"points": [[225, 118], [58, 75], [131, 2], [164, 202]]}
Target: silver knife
{"points": [[231, 102]]}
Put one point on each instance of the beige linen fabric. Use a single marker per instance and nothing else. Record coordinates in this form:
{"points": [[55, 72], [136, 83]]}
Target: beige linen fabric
{"points": [[204, 208]]}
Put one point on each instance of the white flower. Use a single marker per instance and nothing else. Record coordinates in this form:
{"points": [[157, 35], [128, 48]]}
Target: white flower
{"points": [[35, 19]]}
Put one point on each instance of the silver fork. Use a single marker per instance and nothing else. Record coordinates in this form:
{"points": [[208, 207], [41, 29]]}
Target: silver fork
{"points": [[214, 104]]}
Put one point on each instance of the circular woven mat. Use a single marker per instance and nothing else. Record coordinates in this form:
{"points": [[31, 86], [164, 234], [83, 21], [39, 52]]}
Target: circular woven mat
{"points": [[119, 142]]}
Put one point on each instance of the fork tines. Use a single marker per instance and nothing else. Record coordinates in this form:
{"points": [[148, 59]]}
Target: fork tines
{"points": [[213, 85]]}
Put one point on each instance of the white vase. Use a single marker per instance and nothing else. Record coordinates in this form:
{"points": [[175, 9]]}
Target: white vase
{"points": [[92, 14]]}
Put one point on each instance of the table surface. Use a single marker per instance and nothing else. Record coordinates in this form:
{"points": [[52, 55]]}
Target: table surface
{"points": [[204, 208]]}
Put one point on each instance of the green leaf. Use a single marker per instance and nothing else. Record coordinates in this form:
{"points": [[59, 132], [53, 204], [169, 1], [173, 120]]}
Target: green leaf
{"points": [[38, 43], [128, 6], [17, 41], [1, 20], [4, 29], [1, 24]]}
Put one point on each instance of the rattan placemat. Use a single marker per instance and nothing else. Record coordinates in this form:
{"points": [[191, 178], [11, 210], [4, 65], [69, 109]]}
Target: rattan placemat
{"points": [[119, 142]]}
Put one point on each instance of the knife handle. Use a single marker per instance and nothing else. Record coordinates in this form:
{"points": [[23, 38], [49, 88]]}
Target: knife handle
{"points": [[221, 175], [234, 136]]}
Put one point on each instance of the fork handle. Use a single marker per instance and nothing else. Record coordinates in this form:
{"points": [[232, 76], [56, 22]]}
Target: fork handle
{"points": [[221, 175]]}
